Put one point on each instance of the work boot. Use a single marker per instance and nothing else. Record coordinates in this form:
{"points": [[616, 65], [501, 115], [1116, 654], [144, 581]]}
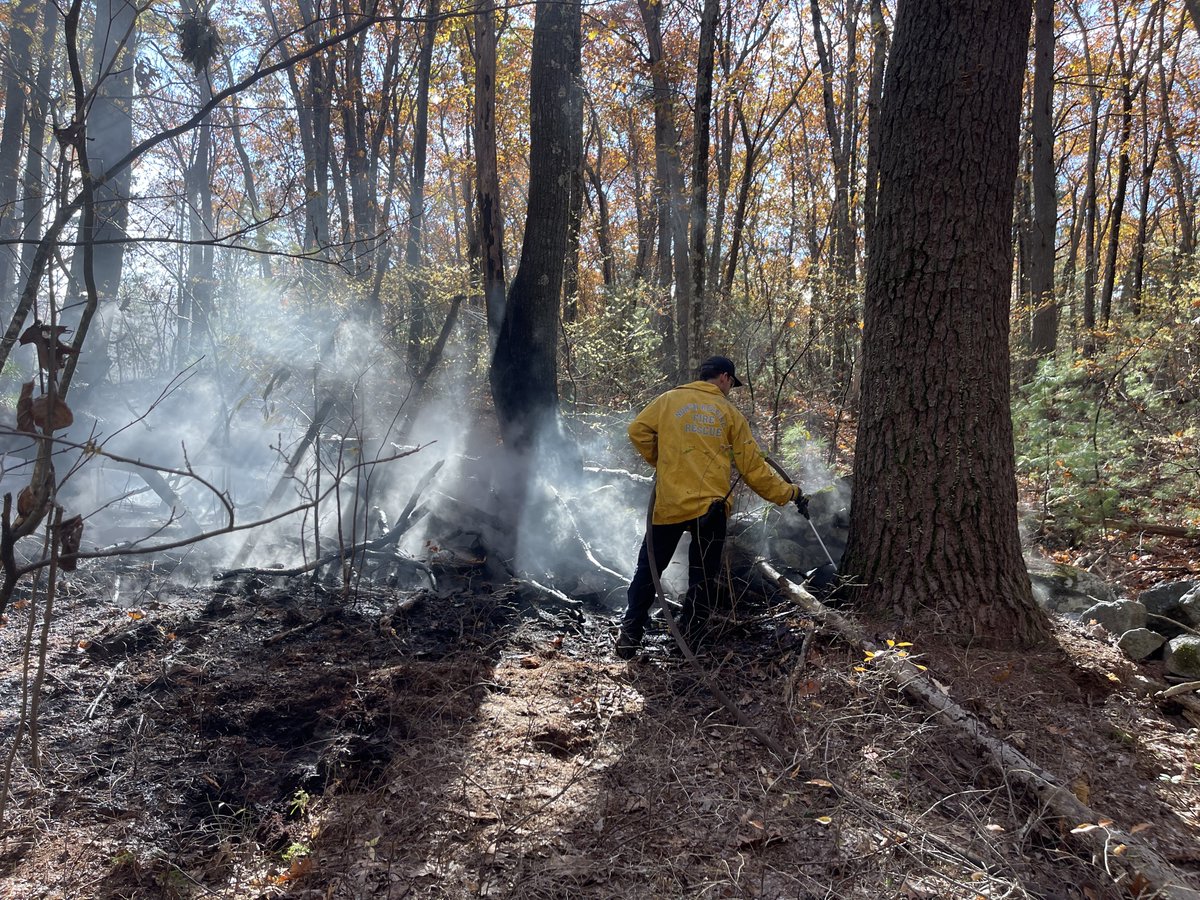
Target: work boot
{"points": [[628, 643]]}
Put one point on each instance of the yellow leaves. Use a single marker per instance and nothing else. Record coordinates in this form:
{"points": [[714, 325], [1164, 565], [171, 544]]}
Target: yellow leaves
{"points": [[824, 820], [136, 614]]}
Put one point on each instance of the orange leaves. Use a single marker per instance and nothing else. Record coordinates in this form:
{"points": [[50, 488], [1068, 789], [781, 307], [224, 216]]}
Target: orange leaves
{"points": [[33, 413]]}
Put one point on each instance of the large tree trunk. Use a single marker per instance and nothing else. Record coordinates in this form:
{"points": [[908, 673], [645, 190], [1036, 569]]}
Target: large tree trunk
{"points": [[934, 523], [524, 372], [1044, 336]]}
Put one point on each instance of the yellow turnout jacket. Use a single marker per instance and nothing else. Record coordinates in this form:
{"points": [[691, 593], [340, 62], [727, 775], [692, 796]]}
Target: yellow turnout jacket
{"points": [[693, 436]]}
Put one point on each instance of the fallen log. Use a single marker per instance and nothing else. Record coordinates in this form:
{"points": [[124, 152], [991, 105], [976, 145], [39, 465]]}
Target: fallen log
{"points": [[1138, 868]]}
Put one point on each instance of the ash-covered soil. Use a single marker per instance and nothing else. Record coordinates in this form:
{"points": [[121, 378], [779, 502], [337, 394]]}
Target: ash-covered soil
{"points": [[274, 738]]}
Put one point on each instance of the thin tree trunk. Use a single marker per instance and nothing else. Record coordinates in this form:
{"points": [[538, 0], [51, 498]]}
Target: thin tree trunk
{"points": [[487, 177], [1044, 332], [670, 184], [879, 44], [414, 255], [22, 29], [698, 216]]}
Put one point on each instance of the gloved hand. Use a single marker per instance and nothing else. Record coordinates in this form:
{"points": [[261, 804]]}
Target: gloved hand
{"points": [[801, 504]]}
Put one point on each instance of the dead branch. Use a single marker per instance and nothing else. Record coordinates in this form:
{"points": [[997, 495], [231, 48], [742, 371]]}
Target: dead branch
{"points": [[584, 545], [1133, 527], [333, 556], [112, 676], [1138, 867], [620, 473], [409, 517], [310, 435], [299, 629]]}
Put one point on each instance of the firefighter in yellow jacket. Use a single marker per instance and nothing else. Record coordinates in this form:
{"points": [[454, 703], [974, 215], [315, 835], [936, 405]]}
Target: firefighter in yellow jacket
{"points": [[694, 437]]}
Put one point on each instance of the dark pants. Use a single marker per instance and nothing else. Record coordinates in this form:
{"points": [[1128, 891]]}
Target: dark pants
{"points": [[704, 565]]}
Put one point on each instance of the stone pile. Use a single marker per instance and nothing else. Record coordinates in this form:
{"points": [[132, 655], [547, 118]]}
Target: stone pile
{"points": [[1164, 620]]}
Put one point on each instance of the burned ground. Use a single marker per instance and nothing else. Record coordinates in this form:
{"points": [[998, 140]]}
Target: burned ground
{"points": [[276, 739]]}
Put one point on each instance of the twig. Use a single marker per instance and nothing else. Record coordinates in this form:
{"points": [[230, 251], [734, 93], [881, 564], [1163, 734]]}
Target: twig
{"points": [[299, 629], [112, 676]]}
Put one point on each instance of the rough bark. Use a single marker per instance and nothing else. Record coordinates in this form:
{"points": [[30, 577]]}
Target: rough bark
{"points": [[524, 371], [934, 536]]}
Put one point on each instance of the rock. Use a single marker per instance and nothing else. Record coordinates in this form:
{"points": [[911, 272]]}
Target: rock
{"points": [[1182, 656], [1189, 608], [790, 554], [1065, 589], [1140, 642], [1117, 616], [1163, 599]]}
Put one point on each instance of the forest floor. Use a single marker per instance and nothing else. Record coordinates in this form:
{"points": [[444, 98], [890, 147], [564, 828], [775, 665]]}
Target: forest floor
{"points": [[271, 739]]}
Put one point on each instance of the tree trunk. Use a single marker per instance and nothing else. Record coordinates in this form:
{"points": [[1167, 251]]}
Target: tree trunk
{"points": [[20, 46], [96, 271], [934, 536], [414, 255], [1117, 209], [197, 292], [1181, 188], [666, 140], [487, 177], [603, 226], [1089, 212], [839, 126], [1044, 335], [524, 372], [698, 215], [879, 47]]}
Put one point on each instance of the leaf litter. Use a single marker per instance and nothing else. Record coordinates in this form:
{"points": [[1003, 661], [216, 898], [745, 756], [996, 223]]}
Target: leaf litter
{"points": [[461, 744]]}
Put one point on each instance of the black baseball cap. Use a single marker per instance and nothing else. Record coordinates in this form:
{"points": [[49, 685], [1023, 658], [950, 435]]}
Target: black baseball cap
{"points": [[715, 365]]}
